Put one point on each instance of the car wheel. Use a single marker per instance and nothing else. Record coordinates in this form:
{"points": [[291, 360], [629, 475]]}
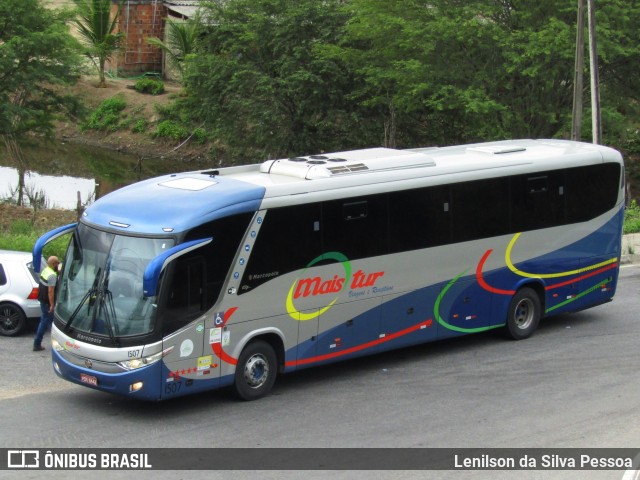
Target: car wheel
{"points": [[12, 319]]}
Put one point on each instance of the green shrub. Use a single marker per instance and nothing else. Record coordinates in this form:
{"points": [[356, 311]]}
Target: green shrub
{"points": [[632, 218], [140, 126], [173, 111], [172, 130], [107, 116], [199, 136], [149, 85]]}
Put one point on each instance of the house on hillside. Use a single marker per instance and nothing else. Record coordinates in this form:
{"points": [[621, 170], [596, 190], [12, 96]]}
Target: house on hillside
{"points": [[139, 20]]}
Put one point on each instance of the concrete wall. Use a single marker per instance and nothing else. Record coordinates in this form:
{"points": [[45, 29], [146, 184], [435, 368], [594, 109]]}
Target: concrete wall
{"points": [[631, 248]]}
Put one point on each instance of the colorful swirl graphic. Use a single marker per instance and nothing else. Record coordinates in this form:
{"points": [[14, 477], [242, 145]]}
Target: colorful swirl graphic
{"points": [[591, 271], [302, 317], [511, 266]]}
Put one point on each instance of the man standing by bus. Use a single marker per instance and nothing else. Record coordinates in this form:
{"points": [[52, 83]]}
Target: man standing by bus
{"points": [[46, 296]]}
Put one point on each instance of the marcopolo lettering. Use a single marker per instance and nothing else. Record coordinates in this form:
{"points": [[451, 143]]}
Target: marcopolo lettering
{"points": [[86, 338]]}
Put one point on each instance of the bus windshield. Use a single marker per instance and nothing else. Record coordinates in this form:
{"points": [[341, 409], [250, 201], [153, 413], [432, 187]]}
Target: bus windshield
{"points": [[101, 283]]}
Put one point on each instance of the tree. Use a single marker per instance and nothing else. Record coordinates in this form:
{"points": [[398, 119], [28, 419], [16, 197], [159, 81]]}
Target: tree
{"points": [[181, 40], [38, 59], [454, 71], [97, 30], [619, 56], [309, 76], [260, 84]]}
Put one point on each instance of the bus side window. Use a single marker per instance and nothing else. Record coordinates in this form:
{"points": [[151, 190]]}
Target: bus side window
{"points": [[289, 238], [480, 209], [185, 294], [591, 191], [356, 227], [227, 234], [419, 218], [537, 201]]}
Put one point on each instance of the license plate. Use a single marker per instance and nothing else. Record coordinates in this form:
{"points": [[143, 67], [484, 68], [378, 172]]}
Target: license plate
{"points": [[89, 379]]}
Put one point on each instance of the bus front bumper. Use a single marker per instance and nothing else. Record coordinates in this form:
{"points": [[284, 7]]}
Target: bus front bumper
{"points": [[143, 383]]}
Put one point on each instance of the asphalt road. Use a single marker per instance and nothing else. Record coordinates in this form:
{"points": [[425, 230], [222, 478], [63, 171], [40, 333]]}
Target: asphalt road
{"points": [[575, 383]]}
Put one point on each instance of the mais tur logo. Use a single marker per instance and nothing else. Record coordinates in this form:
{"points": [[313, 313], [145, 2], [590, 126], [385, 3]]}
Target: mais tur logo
{"points": [[314, 286]]}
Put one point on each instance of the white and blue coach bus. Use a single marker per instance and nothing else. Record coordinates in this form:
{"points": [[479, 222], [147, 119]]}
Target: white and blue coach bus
{"points": [[200, 280]]}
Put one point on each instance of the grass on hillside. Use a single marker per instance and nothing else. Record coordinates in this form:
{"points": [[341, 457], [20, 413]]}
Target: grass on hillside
{"points": [[22, 237]]}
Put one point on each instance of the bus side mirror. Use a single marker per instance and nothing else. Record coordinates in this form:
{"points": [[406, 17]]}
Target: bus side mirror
{"points": [[158, 264], [46, 238]]}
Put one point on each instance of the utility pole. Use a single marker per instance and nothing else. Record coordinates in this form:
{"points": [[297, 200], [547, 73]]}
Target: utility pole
{"points": [[595, 83], [578, 84]]}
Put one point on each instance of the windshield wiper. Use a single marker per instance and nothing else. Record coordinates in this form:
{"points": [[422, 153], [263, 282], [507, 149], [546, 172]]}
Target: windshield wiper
{"points": [[106, 305], [90, 295], [105, 302]]}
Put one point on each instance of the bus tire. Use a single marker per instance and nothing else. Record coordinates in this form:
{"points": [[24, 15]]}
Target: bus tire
{"points": [[256, 371], [524, 314]]}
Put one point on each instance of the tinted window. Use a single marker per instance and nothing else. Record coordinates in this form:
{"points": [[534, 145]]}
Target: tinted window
{"points": [[419, 218], [185, 296], [3, 276], [537, 201], [196, 279], [591, 191], [356, 227], [480, 209], [288, 240], [361, 227]]}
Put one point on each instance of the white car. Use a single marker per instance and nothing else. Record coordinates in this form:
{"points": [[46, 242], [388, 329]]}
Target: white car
{"points": [[18, 292]]}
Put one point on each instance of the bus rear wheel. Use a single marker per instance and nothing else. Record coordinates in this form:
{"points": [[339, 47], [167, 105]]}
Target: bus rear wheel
{"points": [[255, 371], [524, 314]]}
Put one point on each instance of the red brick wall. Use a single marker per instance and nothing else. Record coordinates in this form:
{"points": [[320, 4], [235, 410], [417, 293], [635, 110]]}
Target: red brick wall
{"points": [[140, 19]]}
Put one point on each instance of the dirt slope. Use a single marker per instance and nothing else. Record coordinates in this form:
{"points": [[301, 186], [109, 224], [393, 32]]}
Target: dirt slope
{"points": [[124, 140]]}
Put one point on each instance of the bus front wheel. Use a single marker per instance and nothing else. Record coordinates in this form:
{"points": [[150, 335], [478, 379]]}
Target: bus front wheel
{"points": [[524, 314], [255, 371]]}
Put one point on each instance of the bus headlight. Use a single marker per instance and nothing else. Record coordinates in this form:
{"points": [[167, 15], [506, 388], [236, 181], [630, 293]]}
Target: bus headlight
{"points": [[136, 363], [55, 344]]}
